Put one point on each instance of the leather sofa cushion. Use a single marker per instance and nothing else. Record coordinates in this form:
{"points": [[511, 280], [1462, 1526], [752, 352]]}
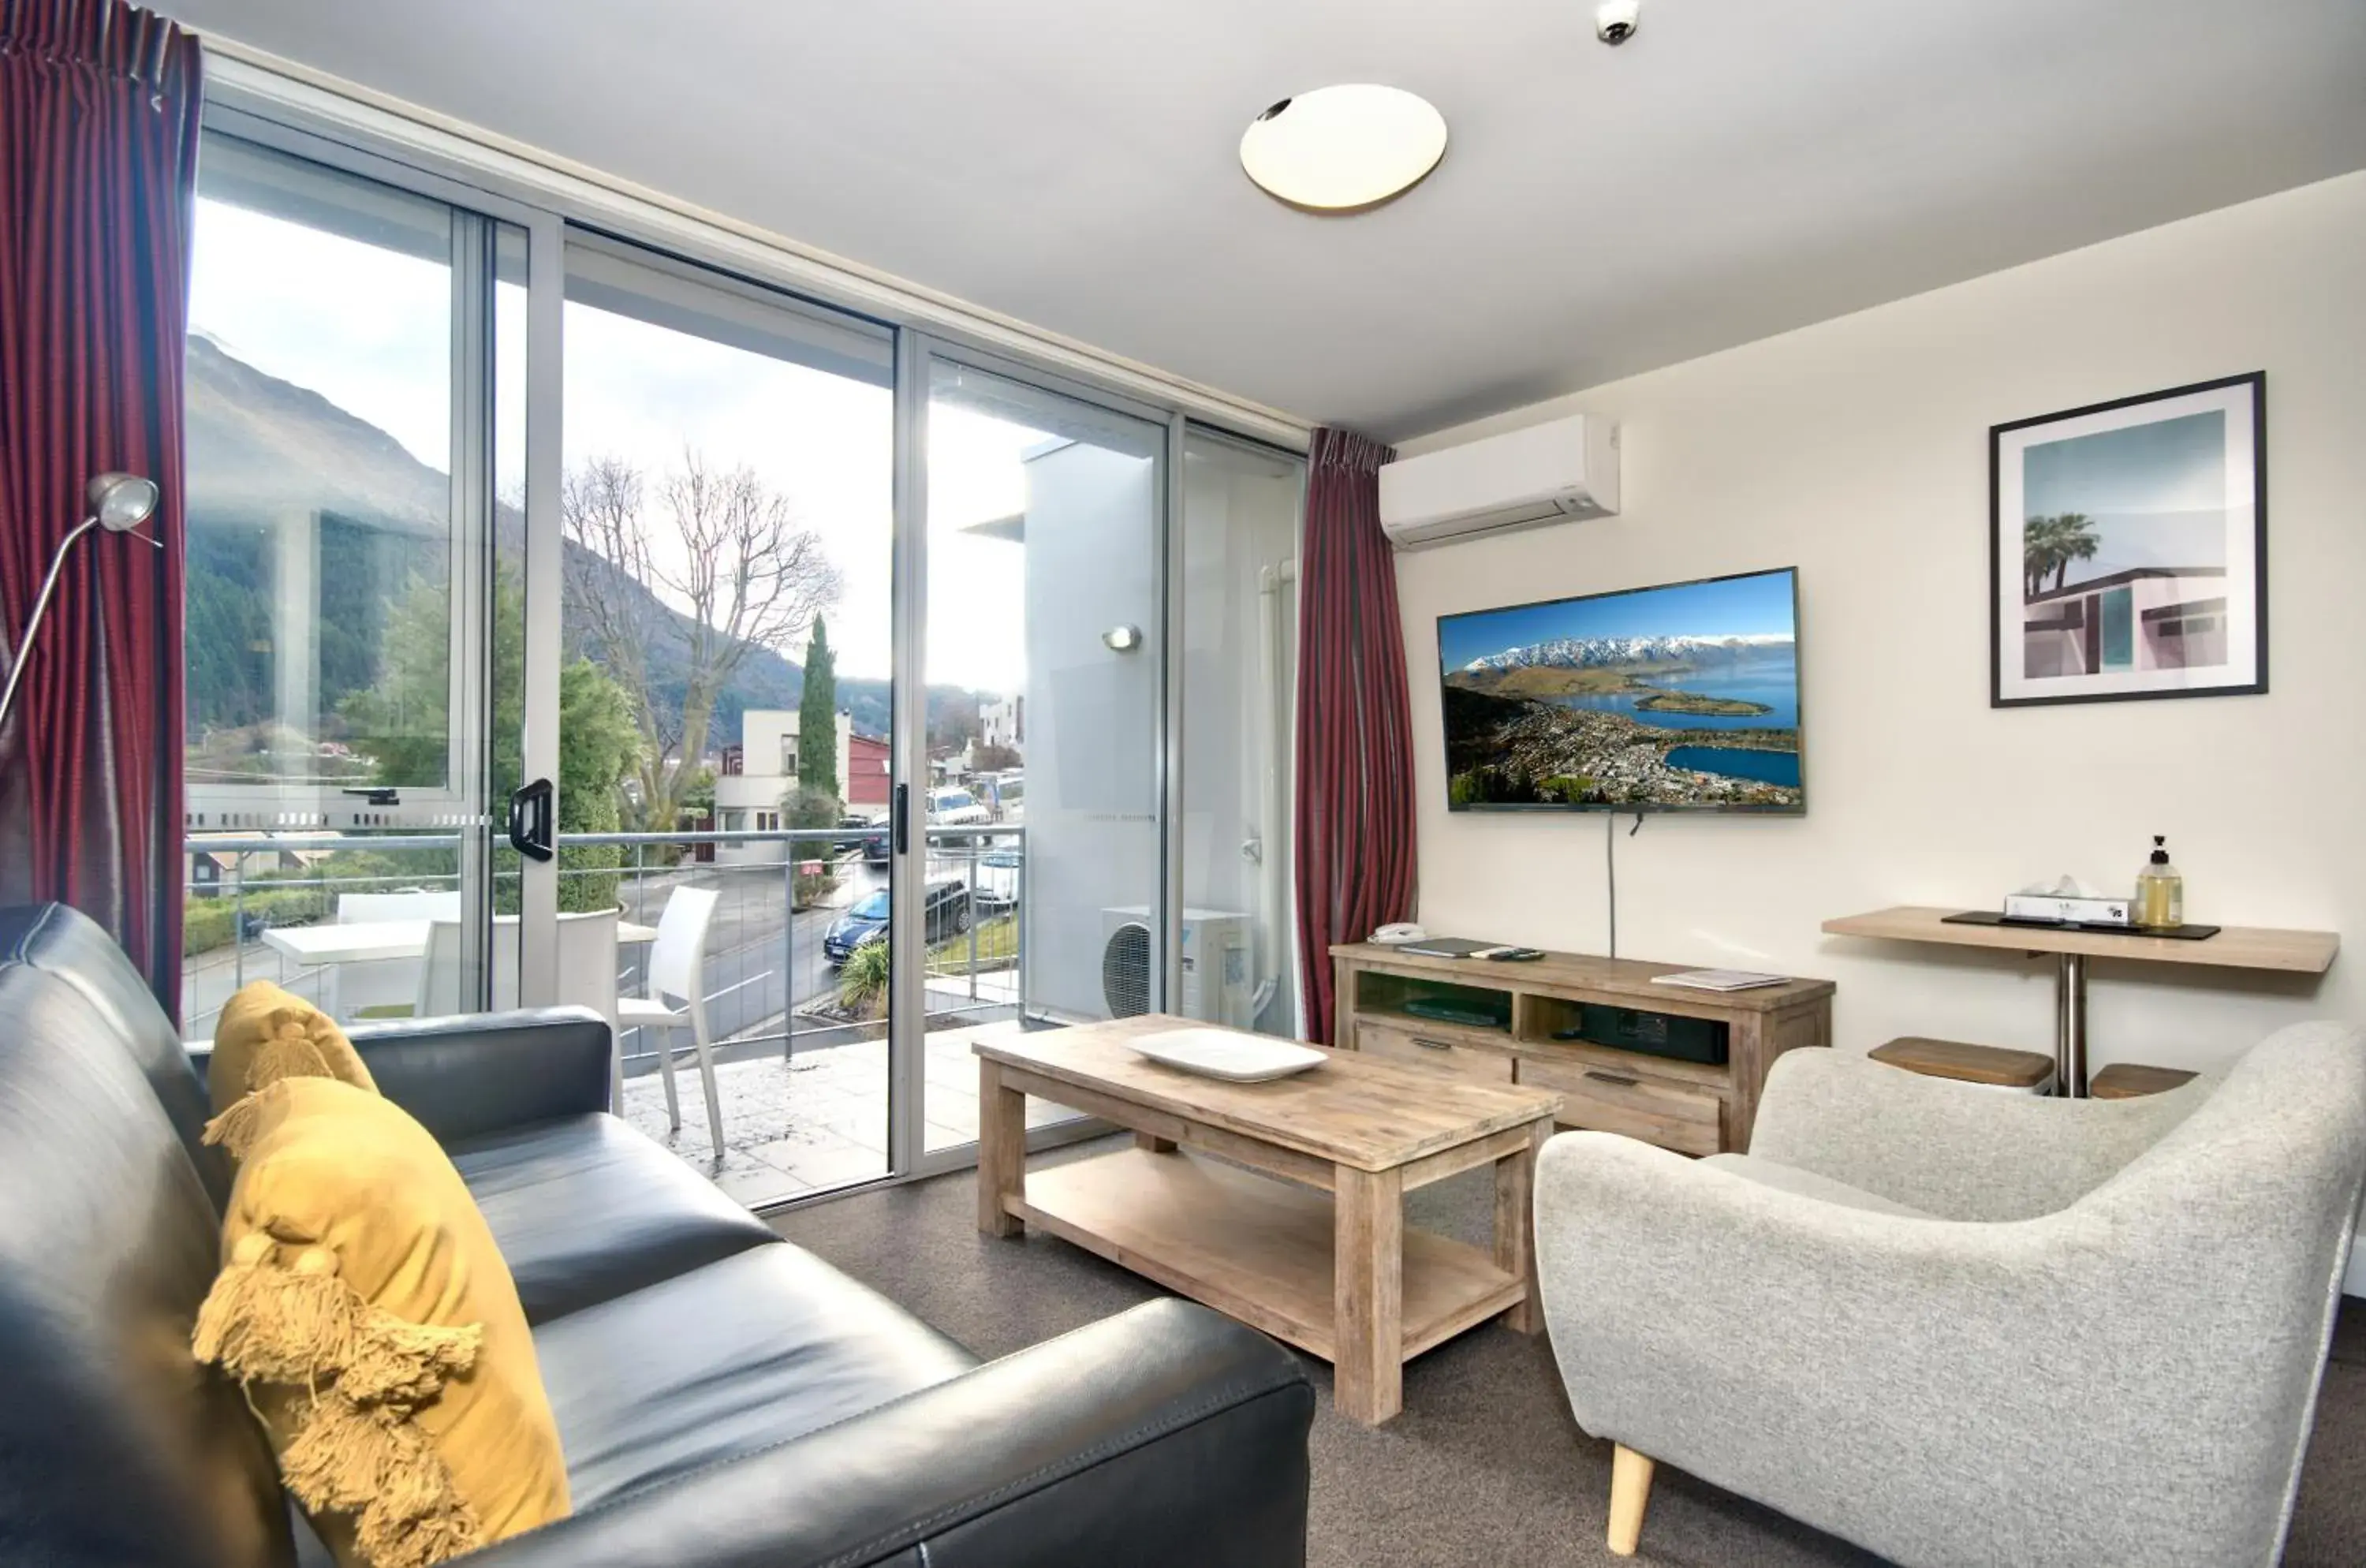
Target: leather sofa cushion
{"points": [[743, 1354], [69, 944], [586, 1210], [114, 1447]]}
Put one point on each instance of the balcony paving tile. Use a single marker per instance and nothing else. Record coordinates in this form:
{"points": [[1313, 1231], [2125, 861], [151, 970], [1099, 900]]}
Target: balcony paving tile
{"points": [[795, 1126]]}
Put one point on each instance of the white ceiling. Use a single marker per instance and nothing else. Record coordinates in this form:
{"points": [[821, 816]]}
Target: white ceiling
{"points": [[1742, 167]]}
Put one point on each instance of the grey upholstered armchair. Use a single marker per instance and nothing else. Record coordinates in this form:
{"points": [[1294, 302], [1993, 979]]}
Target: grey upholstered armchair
{"points": [[1957, 1326]]}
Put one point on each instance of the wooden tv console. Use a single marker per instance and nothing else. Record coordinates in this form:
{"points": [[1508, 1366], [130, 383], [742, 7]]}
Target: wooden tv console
{"points": [[1690, 1107]]}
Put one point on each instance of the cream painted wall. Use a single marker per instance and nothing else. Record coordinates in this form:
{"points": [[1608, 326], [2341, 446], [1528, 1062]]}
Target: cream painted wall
{"points": [[1857, 450]]}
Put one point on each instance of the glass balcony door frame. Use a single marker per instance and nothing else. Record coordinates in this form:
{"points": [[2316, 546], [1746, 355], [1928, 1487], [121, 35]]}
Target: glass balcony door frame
{"points": [[393, 161], [463, 806], [916, 353]]}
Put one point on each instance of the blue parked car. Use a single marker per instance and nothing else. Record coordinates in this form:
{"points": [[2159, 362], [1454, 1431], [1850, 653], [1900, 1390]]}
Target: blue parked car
{"points": [[948, 915]]}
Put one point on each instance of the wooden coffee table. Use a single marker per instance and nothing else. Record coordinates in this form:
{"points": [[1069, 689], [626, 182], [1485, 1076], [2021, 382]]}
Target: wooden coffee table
{"points": [[1339, 1276]]}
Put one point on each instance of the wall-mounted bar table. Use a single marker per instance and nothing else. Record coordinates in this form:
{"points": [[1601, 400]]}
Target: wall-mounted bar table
{"points": [[2234, 947]]}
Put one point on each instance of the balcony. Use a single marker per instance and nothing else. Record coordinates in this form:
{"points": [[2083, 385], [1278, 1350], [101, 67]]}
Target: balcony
{"points": [[801, 1058]]}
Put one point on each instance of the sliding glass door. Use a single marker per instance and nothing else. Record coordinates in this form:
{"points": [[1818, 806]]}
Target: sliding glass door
{"points": [[1036, 873], [572, 623], [725, 708], [346, 453]]}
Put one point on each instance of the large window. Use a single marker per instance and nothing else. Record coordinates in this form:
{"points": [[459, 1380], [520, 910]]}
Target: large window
{"points": [[320, 516], [485, 505], [1044, 533], [342, 456], [728, 517]]}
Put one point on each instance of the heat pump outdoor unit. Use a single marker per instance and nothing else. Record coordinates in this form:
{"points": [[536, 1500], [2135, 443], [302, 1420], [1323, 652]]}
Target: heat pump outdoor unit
{"points": [[1554, 472], [1216, 986]]}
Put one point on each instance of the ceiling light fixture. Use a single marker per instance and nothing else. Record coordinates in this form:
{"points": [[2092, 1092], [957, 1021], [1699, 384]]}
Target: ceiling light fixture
{"points": [[1615, 21], [1344, 148]]}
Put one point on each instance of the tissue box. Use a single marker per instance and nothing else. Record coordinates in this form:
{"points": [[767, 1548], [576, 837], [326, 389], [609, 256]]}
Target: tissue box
{"points": [[2067, 911]]}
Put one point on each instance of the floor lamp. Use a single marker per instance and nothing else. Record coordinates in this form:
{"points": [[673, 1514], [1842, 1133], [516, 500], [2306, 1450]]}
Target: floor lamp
{"points": [[118, 503]]}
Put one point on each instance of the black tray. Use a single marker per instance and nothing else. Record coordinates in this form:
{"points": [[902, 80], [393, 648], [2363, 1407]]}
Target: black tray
{"points": [[1991, 918]]}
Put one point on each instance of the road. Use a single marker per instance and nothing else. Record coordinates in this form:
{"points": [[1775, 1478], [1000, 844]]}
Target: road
{"points": [[752, 949]]}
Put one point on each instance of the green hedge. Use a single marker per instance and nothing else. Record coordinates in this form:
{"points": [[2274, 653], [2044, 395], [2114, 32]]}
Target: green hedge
{"points": [[208, 923]]}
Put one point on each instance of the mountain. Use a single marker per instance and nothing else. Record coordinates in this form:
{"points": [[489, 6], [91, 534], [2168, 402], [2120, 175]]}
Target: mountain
{"points": [[1640, 654], [261, 450]]}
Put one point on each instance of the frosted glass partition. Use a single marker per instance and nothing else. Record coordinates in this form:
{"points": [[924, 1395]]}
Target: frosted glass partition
{"points": [[1241, 507]]}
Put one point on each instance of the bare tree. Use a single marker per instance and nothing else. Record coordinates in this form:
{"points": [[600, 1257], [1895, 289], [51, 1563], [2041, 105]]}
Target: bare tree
{"points": [[721, 549]]}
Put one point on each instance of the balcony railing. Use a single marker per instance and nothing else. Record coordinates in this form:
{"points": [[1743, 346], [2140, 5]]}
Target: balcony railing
{"points": [[768, 982]]}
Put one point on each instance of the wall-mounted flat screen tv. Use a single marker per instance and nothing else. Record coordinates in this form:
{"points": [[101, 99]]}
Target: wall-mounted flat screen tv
{"points": [[1684, 698]]}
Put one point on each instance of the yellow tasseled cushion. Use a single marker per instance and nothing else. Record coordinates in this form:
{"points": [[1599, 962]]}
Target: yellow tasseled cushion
{"points": [[266, 1034], [364, 1306]]}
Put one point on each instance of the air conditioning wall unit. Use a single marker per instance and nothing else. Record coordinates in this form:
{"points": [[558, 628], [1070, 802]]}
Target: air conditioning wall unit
{"points": [[1555, 472], [1217, 983]]}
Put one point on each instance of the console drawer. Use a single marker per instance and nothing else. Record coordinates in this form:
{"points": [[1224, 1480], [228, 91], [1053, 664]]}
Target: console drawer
{"points": [[1673, 1115], [1437, 1049]]}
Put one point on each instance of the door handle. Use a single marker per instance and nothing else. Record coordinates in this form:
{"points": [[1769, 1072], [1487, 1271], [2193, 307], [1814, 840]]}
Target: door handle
{"points": [[531, 819], [903, 820], [1613, 1078], [1429, 1045]]}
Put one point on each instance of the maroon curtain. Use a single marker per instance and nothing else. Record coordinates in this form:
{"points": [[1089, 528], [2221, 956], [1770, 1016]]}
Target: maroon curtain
{"points": [[98, 143], [1354, 834]]}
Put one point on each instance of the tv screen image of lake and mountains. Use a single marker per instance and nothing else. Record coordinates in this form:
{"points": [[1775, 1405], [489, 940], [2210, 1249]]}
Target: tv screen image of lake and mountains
{"points": [[1675, 698]]}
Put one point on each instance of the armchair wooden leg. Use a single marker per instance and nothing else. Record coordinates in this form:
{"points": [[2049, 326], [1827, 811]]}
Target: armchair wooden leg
{"points": [[1631, 1491]]}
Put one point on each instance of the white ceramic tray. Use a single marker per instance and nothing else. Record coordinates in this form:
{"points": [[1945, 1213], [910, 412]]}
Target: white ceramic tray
{"points": [[1224, 1054]]}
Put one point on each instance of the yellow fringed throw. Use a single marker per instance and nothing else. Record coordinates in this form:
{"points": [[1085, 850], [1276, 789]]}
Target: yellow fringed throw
{"points": [[266, 1034], [364, 1308], [355, 1446]]}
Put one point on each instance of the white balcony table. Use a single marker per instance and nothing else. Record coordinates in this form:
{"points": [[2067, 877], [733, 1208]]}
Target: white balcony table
{"points": [[326, 947], [363, 941]]}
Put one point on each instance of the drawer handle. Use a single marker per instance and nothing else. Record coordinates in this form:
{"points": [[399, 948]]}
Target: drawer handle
{"points": [[1430, 1044], [1613, 1078]]}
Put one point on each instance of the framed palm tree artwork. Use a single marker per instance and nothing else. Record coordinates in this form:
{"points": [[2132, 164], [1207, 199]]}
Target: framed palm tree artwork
{"points": [[2128, 549]]}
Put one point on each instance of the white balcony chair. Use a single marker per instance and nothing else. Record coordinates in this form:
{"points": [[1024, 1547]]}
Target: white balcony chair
{"points": [[587, 970], [677, 1000], [384, 987]]}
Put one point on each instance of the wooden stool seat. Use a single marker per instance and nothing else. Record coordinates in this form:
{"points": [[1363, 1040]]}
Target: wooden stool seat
{"points": [[2127, 1081], [1993, 1064]]}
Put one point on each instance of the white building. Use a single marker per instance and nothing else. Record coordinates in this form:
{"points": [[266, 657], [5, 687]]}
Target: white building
{"points": [[1003, 723], [755, 775]]}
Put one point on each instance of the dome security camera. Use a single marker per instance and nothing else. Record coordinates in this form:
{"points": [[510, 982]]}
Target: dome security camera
{"points": [[1615, 21]]}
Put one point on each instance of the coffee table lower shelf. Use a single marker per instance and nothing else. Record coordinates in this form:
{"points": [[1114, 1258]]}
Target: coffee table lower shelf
{"points": [[1252, 1246]]}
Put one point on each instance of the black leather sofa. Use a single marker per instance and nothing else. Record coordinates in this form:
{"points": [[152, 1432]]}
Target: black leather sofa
{"points": [[724, 1398]]}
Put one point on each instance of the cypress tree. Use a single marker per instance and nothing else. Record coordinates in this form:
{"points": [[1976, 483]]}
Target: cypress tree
{"points": [[817, 717]]}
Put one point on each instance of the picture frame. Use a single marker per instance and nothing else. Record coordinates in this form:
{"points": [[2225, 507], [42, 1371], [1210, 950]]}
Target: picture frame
{"points": [[2128, 549]]}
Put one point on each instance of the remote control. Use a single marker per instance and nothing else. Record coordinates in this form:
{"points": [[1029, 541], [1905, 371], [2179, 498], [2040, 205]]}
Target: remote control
{"points": [[1511, 955]]}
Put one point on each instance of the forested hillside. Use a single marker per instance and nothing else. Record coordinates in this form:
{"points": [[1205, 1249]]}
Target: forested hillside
{"points": [[264, 453]]}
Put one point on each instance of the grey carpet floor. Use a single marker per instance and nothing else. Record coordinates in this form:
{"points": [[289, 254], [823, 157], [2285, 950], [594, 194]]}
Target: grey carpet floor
{"points": [[1485, 1466]]}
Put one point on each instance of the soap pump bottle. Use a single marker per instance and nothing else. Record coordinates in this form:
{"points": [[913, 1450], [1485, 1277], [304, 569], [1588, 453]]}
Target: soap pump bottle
{"points": [[2160, 891]]}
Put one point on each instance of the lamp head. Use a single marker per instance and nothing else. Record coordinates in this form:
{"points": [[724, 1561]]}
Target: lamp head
{"points": [[122, 501]]}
